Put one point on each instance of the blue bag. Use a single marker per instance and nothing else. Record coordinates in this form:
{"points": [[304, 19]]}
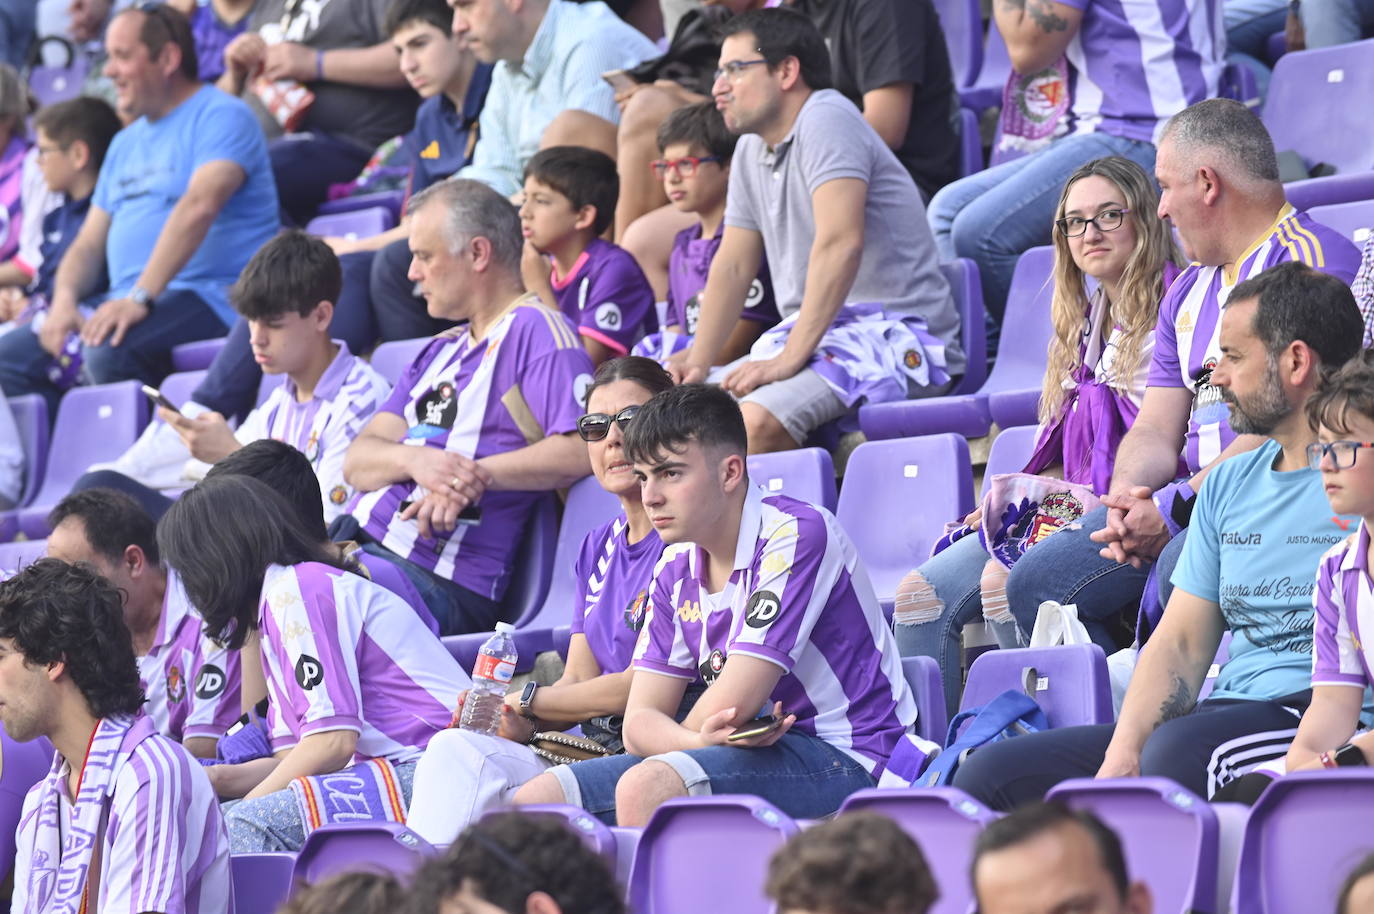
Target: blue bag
{"points": [[1009, 714]]}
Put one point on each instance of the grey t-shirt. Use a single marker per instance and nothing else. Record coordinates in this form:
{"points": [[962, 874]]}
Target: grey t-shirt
{"points": [[366, 117], [770, 193]]}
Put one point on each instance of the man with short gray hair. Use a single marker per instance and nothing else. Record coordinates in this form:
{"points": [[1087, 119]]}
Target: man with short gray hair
{"points": [[479, 425]]}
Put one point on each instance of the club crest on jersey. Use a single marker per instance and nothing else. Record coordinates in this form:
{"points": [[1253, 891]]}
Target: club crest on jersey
{"points": [[210, 681], [762, 609], [710, 667], [309, 672], [912, 359], [634, 613], [176, 684], [338, 495]]}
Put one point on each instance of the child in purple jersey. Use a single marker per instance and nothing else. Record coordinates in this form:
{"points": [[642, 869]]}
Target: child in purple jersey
{"points": [[613, 570], [763, 600], [125, 821], [570, 195], [353, 676], [695, 171]]}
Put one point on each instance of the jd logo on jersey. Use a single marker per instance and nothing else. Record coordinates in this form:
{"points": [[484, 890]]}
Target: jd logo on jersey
{"points": [[309, 672], [210, 681], [762, 609]]}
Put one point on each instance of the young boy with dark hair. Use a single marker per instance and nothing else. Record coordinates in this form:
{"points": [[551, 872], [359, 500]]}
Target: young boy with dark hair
{"points": [[73, 137], [570, 196], [287, 295], [695, 170]]}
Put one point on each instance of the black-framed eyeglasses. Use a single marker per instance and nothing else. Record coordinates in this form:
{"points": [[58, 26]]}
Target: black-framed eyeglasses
{"points": [[686, 166], [734, 69], [1109, 220], [595, 426], [1342, 453]]}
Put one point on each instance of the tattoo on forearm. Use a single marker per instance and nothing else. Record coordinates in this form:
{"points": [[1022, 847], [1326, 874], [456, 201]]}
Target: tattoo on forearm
{"points": [[1179, 702], [1043, 14]]}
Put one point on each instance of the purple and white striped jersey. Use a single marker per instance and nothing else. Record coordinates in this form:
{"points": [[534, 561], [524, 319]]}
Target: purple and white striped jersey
{"points": [[343, 653], [1187, 341], [164, 846], [1133, 64], [798, 598], [192, 683], [606, 296], [613, 579], [1344, 607], [322, 428], [477, 398]]}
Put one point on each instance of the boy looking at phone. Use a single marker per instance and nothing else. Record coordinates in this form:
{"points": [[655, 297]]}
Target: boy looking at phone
{"points": [[762, 599], [570, 195]]}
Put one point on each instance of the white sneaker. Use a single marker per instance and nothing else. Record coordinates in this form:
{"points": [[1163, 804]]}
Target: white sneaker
{"points": [[156, 459]]}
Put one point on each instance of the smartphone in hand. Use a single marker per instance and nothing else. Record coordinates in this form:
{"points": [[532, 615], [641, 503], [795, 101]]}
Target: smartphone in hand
{"points": [[152, 393], [756, 727]]}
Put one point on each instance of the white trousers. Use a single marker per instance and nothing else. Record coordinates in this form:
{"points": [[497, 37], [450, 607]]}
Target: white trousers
{"points": [[462, 775]]}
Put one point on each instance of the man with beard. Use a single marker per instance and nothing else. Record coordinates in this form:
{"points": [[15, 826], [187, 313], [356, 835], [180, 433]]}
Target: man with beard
{"points": [[1258, 530]]}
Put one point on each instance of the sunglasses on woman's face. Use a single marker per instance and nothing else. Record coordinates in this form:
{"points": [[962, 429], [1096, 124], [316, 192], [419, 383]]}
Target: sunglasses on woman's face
{"points": [[595, 426]]}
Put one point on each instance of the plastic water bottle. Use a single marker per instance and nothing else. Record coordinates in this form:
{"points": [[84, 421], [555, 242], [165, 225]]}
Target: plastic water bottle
{"points": [[491, 677]]}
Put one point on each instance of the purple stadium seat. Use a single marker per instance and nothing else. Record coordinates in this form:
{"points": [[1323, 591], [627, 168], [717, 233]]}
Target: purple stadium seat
{"points": [[386, 847], [197, 355], [897, 497], [179, 386], [1010, 450], [729, 837], [1019, 367], [1353, 220], [970, 144], [1238, 82], [944, 822], [1168, 833], [1275, 47], [358, 223], [562, 637], [962, 22], [596, 834], [16, 555], [807, 473], [93, 424], [21, 766], [262, 882], [390, 359], [50, 83], [1305, 195], [389, 200], [986, 90], [967, 287], [1306, 832], [932, 718], [31, 420], [1069, 682], [1342, 76]]}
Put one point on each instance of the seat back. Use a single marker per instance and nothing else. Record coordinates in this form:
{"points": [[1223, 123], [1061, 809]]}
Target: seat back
{"points": [[896, 498], [1342, 76], [392, 358], [93, 424], [588, 506], [1306, 832], [31, 421], [533, 564], [1026, 325], [986, 91], [15, 555], [179, 386], [197, 355], [1069, 682], [962, 23], [1238, 82], [807, 473], [944, 821], [1011, 449], [967, 288], [21, 766], [354, 224], [731, 838], [51, 83], [1353, 220], [262, 882], [386, 847], [932, 718], [1169, 835], [970, 143]]}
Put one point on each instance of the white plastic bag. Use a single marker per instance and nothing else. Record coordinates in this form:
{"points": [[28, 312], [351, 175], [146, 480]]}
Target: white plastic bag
{"points": [[1120, 666], [1057, 624]]}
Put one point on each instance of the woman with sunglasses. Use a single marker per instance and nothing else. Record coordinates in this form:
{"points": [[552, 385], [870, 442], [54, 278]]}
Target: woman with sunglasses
{"points": [[462, 774], [1114, 259]]}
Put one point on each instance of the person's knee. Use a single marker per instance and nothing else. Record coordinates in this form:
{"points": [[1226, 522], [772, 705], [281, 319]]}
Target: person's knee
{"points": [[917, 601], [644, 112], [541, 789], [644, 788], [766, 433], [580, 128]]}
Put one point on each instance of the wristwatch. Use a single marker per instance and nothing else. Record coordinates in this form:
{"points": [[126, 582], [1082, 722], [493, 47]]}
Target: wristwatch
{"points": [[141, 296], [527, 699]]}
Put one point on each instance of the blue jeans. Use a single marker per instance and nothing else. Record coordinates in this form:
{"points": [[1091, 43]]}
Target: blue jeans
{"points": [[180, 316], [1067, 567], [931, 625], [993, 216], [305, 164], [1248, 27], [16, 31], [803, 776], [457, 609], [1328, 22]]}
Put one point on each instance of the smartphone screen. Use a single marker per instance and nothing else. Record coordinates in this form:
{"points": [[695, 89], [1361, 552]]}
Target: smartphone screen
{"points": [[152, 393]]}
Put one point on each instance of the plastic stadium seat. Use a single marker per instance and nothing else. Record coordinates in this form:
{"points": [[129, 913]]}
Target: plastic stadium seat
{"points": [[1169, 835], [707, 853], [14, 556], [1238, 82], [1011, 449], [962, 22], [970, 144], [986, 91], [896, 499], [596, 834], [358, 223], [1275, 47], [1342, 76], [1069, 682], [197, 355], [51, 84], [390, 359], [386, 847], [1305, 195], [93, 424], [807, 473], [1019, 367], [967, 288], [178, 387], [31, 420], [1306, 832], [944, 821], [932, 718], [21, 766], [262, 882], [1353, 220], [390, 200]]}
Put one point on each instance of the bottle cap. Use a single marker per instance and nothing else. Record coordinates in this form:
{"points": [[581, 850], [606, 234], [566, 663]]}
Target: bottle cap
{"points": [[505, 627]]}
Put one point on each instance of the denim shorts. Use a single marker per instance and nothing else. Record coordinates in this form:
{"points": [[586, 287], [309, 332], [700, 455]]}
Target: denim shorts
{"points": [[803, 776]]}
